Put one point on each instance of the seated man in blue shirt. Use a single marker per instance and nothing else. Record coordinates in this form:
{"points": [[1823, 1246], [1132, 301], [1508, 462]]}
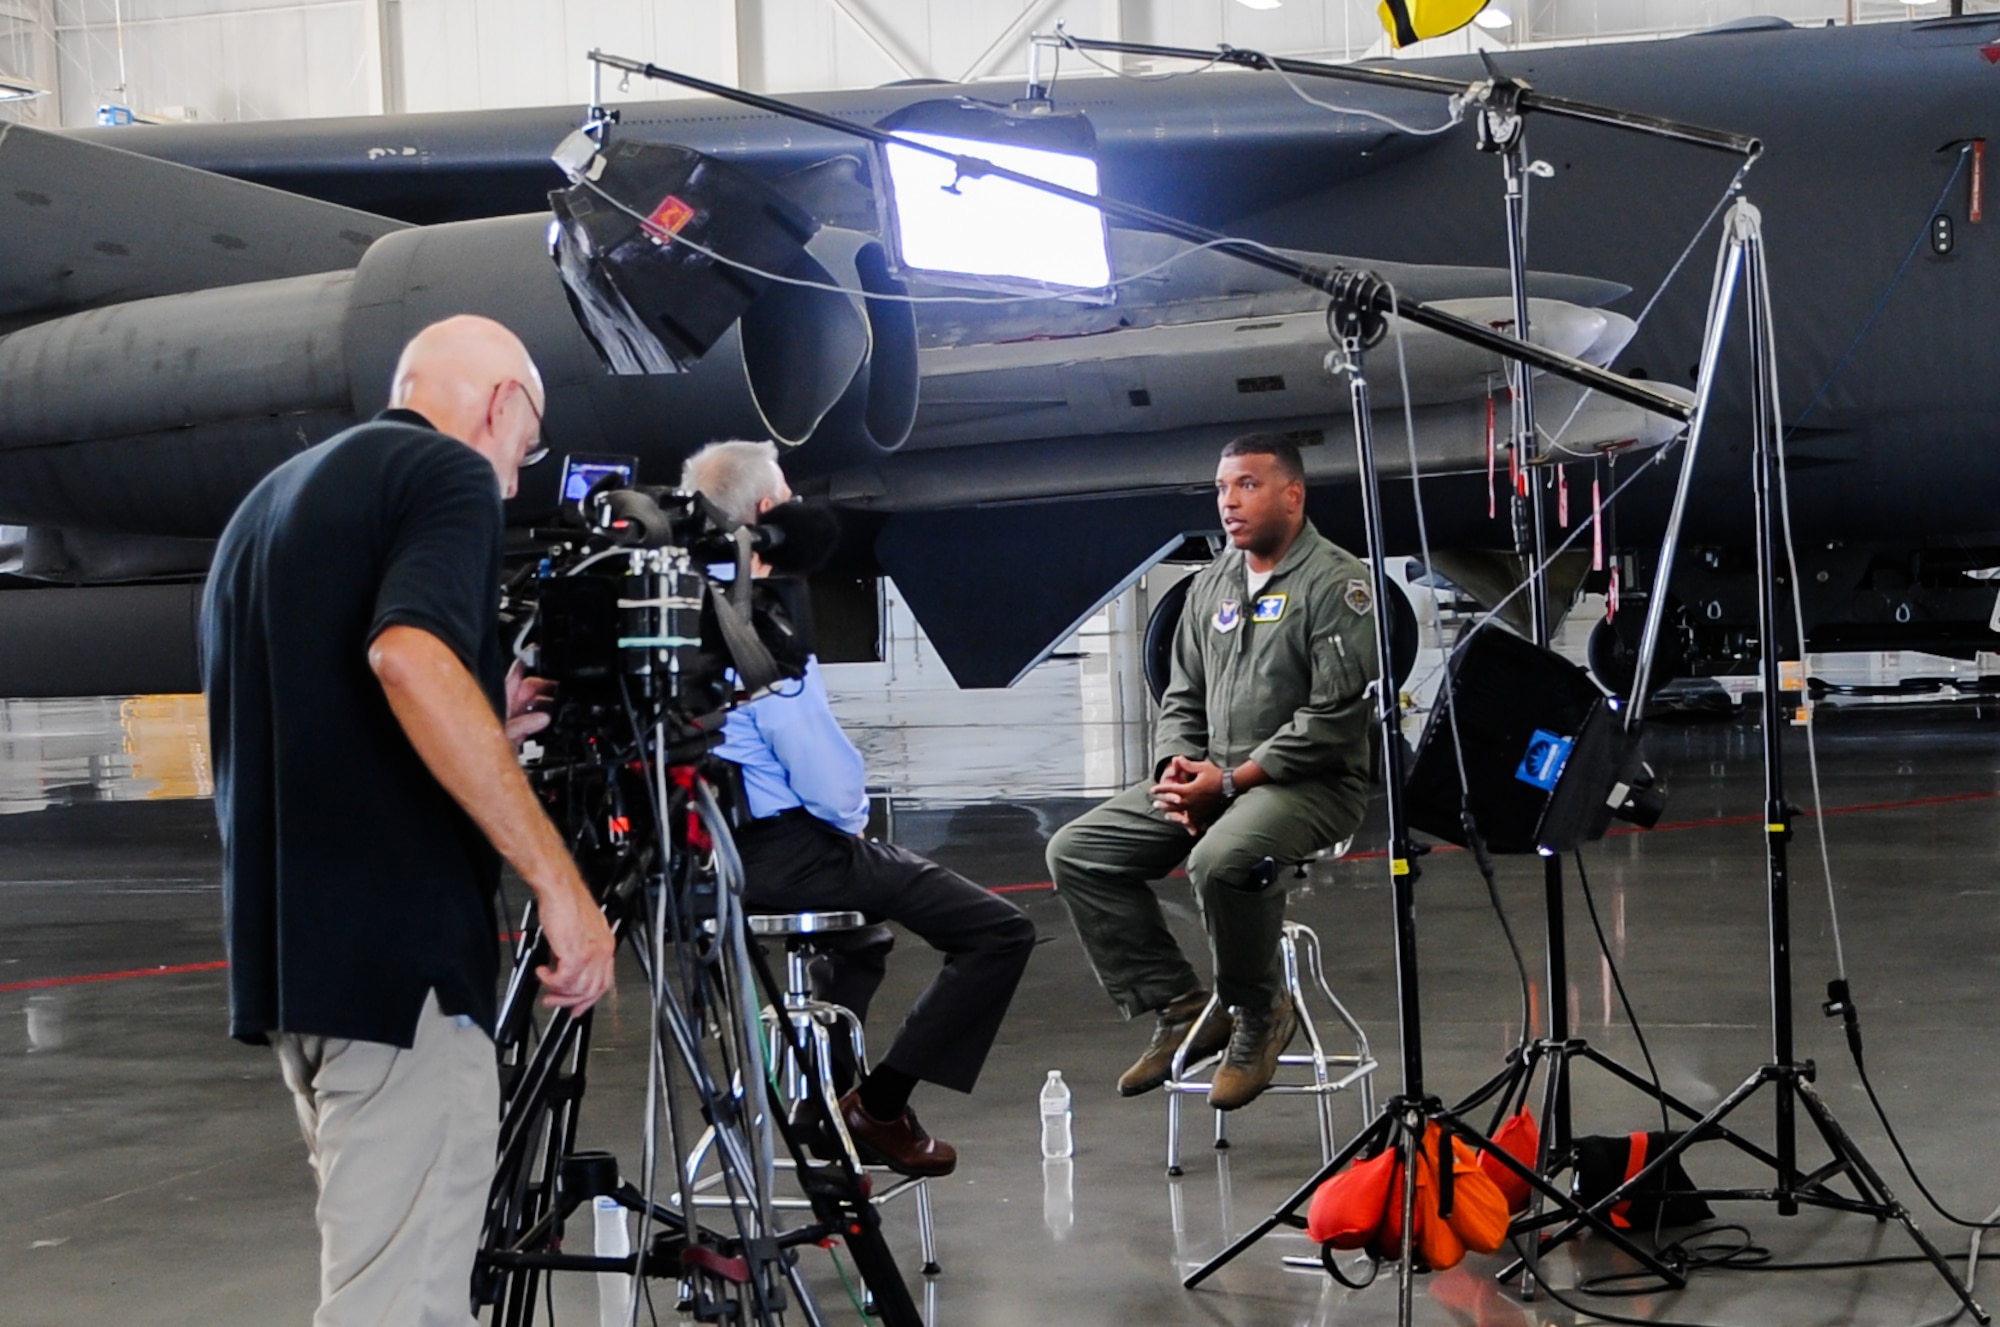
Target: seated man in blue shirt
{"points": [[803, 851]]}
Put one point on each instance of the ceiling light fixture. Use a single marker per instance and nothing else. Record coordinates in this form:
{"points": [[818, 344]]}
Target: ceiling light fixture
{"points": [[1260, 4], [1494, 19]]}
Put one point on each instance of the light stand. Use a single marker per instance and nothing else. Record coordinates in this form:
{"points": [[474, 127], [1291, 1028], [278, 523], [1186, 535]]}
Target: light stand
{"points": [[1741, 260], [1405, 1118], [1501, 106]]}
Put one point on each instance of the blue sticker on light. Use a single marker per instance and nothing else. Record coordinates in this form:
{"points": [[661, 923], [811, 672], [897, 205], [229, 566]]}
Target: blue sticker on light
{"points": [[1543, 764]]}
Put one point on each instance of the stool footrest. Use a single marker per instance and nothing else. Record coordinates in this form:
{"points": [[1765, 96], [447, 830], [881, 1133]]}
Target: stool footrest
{"points": [[1299, 954]]}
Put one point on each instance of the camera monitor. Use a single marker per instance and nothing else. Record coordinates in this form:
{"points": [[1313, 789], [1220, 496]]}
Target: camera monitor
{"points": [[581, 474], [988, 232]]}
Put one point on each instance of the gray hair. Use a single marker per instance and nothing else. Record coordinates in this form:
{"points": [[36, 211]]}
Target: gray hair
{"points": [[735, 476]]}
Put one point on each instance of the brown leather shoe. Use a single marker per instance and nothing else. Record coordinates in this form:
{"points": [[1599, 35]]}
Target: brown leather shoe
{"points": [[901, 1144], [1151, 1069], [1252, 1058]]}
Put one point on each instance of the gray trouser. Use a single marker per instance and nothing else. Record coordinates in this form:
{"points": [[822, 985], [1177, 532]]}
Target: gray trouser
{"points": [[1104, 863], [402, 1143]]}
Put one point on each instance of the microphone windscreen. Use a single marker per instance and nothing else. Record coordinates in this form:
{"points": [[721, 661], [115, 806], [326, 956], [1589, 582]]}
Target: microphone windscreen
{"points": [[799, 538]]}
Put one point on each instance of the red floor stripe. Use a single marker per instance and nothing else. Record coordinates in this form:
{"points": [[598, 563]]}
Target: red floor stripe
{"points": [[1712, 822], [1034, 886], [170, 971]]}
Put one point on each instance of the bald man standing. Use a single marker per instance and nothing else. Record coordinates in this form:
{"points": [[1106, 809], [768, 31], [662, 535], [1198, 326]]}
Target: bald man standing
{"points": [[363, 721]]}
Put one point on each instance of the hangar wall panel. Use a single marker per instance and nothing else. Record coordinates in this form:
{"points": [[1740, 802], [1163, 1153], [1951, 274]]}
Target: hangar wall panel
{"points": [[270, 59], [219, 59], [28, 53]]}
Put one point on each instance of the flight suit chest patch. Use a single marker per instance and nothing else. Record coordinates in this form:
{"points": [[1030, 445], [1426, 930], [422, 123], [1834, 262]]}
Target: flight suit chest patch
{"points": [[1269, 608], [1228, 615]]}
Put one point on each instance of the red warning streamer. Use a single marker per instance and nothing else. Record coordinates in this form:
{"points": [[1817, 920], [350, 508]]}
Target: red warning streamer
{"points": [[1977, 212], [1492, 498]]}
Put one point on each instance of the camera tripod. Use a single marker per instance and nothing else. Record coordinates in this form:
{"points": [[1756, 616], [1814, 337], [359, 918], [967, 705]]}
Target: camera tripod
{"points": [[664, 868]]}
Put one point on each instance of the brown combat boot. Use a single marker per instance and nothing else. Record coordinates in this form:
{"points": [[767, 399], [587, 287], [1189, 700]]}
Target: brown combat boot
{"points": [[1252, 1058], [1151, 1069]]}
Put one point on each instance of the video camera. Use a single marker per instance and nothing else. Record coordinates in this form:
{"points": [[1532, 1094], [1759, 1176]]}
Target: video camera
{"points": [[643, 602]]}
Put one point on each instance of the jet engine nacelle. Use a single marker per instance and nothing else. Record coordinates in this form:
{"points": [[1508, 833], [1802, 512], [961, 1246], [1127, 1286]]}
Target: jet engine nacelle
{"points": [[156, 416]]}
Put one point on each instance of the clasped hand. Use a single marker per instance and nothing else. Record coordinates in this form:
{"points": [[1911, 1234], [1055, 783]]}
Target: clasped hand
{"points": [[1189, 793]]}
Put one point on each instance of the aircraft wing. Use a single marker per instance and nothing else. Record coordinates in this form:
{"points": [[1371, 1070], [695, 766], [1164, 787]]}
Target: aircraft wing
{"points": [[84, 225]]}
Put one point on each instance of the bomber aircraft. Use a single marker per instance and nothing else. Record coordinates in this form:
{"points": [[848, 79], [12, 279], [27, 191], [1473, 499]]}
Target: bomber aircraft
{"points": [[183, 307]]}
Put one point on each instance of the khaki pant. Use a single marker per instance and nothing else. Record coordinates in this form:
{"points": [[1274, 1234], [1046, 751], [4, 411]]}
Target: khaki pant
{"points": [[1104, 863], [402, 1143]]}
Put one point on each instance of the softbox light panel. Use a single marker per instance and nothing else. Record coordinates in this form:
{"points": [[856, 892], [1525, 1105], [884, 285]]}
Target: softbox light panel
{"points": [[1542, 748], [647, 303], [987, 232]]}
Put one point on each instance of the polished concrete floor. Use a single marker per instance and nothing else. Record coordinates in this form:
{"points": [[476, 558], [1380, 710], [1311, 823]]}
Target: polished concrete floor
{"points": [[150, 1170]]}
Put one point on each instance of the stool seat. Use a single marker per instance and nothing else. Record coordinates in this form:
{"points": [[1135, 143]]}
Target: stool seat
{"points": [[804, 923]]}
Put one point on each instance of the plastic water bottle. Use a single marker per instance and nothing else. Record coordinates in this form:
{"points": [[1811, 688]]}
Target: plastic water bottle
{"points": [[613, 1240], [1056, 1140]]}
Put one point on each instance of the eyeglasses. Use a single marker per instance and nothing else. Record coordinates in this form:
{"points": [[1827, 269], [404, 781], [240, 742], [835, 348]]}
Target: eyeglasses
{"points": [[541, 448]]}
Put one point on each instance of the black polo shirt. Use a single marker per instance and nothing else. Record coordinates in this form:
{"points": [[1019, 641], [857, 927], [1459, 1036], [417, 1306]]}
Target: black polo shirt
{"points": [[353, 884]]}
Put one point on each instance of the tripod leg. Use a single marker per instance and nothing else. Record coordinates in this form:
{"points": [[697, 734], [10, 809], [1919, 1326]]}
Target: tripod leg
{"points": [[1845, 1149], [1368, 1140], [1406, 1266], [1590, 1216], [1593, 1215], [1553, 1141], [1841, 1148], [1675, 1104]]}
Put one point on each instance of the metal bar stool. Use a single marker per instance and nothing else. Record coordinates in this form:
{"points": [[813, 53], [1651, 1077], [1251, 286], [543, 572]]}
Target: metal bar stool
{"points": [[819, 1021], [1329, 1072]]}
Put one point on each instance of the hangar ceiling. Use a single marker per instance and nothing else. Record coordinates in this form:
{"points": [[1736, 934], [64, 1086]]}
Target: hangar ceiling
{"points": [[212, 60]]}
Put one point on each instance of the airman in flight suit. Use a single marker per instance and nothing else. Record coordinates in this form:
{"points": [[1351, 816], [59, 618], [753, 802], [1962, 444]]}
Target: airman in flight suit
{"points": [[1261, 752]]}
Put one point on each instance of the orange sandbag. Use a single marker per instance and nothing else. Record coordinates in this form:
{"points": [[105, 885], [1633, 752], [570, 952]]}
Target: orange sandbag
{"points": [[1347, 1210], [1479, 1215], [1437, 1245], [1520, 1139]]}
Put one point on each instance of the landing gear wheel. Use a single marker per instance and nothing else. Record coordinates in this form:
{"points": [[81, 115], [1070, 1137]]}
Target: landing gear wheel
{"points": [[1613, 653]]}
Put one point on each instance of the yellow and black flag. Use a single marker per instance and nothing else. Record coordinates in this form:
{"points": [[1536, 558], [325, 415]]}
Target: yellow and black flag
{"points": [[1411, 21]]}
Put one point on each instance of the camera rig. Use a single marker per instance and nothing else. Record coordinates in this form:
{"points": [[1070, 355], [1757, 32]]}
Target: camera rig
{"points": [[630, 611]]}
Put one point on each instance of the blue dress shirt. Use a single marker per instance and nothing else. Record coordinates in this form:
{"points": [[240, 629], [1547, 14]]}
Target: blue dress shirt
{"points": [[792, 753]]}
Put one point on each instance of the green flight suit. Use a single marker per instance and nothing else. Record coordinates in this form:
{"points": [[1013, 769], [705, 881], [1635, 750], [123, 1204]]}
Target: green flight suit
{"points": [[1281, 678]]}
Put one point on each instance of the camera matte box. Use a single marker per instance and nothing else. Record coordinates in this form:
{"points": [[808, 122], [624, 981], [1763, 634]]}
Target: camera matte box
{"points": [[1542, 749]]}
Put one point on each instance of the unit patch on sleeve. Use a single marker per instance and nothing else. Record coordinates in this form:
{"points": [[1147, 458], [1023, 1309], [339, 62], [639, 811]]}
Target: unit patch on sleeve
{"points": [[1228, 614], [1358, 598], [1269, 608]]}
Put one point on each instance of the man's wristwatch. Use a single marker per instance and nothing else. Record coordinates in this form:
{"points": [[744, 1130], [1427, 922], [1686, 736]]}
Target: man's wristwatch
{"points": [[1228, 786]]}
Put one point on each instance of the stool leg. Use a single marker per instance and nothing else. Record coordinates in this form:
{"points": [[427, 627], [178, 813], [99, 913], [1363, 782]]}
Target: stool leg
{"points": [[1316, 964], [926, 1229], [823, 1053], [1176, 1075], [1288, 949]]}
